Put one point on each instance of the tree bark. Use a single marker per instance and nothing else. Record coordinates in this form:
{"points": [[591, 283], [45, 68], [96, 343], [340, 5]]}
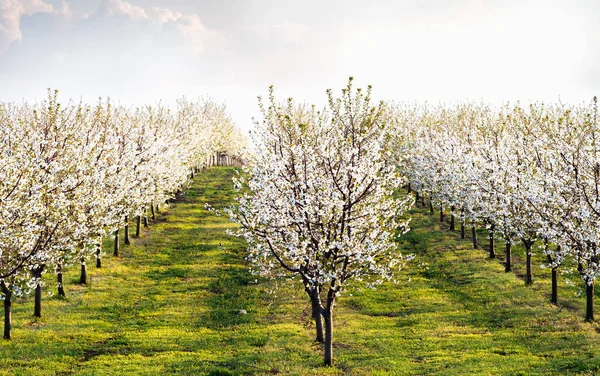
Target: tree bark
{"points": [[127, 241], [452, 228], [83, 276], [7, 310], [328, 315], [409, 188], [98, 256], [417, 198], [507, 264], [318, 317], [528, 274], [153, 212], [441, 213], [431, 210], [492, 245], [138, 225], [554, 298], [145, 218], [37, 309], [589, 306], [474, 235], [116, 248], [59, 281]]}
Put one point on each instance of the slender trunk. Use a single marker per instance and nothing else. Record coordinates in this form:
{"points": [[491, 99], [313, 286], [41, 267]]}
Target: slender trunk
{"points": [[83, 277], [37, 309], [431, 211], [492, 245], [157, 209], [98, 256], [127, 241], [153, 212], [318, 317], [417, 198], [474, 235], [589, 306], [422, 200], [328, 315], [116, 248], [462, 229], [145, 218], [138, 225], [452, 228], [59, 280], [507, 264], [554, 298], [7, 309], [528, 275], [441, 213], [409, 188]]}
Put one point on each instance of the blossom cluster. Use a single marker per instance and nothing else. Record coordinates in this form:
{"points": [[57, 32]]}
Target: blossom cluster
{"points": [[528, 173], [71, 173]]}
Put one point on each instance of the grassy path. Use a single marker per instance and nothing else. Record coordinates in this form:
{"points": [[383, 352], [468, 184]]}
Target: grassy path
{"points": [[170, 305]]}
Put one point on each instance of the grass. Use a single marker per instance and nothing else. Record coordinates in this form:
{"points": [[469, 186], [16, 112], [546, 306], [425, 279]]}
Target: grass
{"points": [[170, 304]]}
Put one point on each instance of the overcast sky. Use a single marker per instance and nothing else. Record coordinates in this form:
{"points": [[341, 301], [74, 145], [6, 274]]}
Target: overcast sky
{"points": [[143, 51]]}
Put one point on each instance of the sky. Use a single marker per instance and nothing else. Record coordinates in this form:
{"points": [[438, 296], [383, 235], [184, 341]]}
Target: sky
{"points": [[148, 51]]}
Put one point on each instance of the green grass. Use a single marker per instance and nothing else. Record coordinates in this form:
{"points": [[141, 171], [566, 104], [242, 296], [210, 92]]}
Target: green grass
{"points": [[170, 304]]}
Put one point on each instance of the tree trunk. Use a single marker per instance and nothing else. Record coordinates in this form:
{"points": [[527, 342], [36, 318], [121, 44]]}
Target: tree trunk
{"points": [[474, 235], [431, 211], [127, 241], [507, 264], [417, 198], [83, 277], [98, 256], [153, 212], [328, 315], [554, 298], [528, 274], [145, 218], [422, 201], [452, 228], [59, 281], [37, 309], [116, 248], [441, 213], [409, 188], [318, 317], [138, 225], [7, 309], [589, 306], [157, 209], [492, 245]]}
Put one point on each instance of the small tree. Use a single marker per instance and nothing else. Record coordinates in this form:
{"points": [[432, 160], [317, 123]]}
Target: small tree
{"points": [[320, 201]]}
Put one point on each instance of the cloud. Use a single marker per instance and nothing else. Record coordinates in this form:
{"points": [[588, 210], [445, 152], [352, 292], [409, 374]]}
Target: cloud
{"points": [[189, 26], [200, 37], [64, 11], [11, 12]]}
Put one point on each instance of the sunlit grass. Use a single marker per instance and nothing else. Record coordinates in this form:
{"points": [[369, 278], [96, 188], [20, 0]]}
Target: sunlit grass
{"points": [[170, 305]]}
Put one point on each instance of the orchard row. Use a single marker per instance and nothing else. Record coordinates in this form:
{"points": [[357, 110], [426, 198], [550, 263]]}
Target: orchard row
{"points": [[72, 174], [529, 174]]}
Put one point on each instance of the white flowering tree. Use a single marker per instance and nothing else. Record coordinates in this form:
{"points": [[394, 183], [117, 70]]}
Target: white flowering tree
{"points": [[319, 202]]}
